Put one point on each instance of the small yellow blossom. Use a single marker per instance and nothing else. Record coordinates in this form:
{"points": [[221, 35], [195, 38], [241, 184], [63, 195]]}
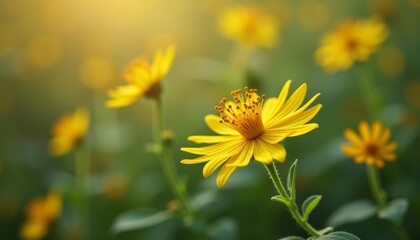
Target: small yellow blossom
{"points": [[349, 42], [40, 213], [252, 127], [142, 78], [371, 146], [249, 26], [68, 131]]}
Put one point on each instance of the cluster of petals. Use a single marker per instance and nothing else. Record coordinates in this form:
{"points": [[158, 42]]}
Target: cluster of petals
{"points": [[68, 131], [40, 213], [143, 78], [252, 127], [372, 146], [349, 42], [250, 26]]}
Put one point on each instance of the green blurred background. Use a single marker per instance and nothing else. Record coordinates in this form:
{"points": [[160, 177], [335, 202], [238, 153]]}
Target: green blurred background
{"points": [[58, 55]]}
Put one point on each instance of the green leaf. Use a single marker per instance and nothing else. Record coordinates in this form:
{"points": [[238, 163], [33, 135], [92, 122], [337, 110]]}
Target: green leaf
{"points": [[326, 230], [352, 212], [139, 219], [292, 238], [395, 211], [339, 236], [309, 205], [279, 198], [291, 180]]}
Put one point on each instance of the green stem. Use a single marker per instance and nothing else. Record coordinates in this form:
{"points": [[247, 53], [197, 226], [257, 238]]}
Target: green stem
{"points": [[272, 171], [375, 185], [177, 187], [82, 175], [368, 90]]}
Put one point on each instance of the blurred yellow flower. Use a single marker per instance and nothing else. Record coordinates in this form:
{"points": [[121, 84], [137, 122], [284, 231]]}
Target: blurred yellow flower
{"points": [[68, 131], [350, 41], [249, 128], [371, 146], [142, 78], [249, 26], [40, 213]]}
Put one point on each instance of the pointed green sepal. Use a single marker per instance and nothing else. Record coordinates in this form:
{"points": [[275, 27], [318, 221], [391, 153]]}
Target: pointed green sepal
{"points": [[309, 205], [291, 180]]}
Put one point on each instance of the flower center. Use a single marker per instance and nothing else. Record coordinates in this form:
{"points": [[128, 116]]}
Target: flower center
{"points": [[351, 43], [371, 149], [244, 114]]}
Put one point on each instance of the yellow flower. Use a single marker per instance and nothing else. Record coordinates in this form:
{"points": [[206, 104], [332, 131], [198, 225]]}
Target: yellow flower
{"points": [[249, 26], [68, 131], [350, 41], [371, 146], [142, 78], [40, 213], [250, 127]]}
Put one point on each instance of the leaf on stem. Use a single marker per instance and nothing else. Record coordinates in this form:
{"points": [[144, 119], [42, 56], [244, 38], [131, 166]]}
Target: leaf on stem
{"points": [[279, 198], [394, 211], [309, 205], [139, 219], [291, 180], [339, 236], [352, 212]]}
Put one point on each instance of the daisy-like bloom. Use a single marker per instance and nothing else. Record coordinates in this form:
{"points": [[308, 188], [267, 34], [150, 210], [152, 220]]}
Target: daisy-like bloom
{"points": [[143, 78], [371, 146], [252, 127], [249, 26], [68, 131], [349, 42], [40, 213]]}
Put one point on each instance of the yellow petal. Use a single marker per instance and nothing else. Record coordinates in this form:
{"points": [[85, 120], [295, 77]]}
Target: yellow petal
{"points": [[214, 124], [33, 229], [280, 101], [211, 139], [224, 175], [352, 137], [261, 152], [376, 131], [60, 146], [385, 136], [350, 150], [294, 101], [267, 108], [364, 131], [218, 148], [244, 155], [294, 119], [81, 121], [200, 159], [167, 61], [275, 135], [277, 151]]}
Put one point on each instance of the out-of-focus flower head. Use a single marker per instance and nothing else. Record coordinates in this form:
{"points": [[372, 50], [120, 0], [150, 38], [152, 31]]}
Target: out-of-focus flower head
{"points": [[371, 146], [143, 79], [248, 129], [249, 26], [40, 213], [68, 131], [349, 42]]}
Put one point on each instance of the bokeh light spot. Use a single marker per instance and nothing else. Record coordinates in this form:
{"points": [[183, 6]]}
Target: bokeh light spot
{"points": [[43, 51]]}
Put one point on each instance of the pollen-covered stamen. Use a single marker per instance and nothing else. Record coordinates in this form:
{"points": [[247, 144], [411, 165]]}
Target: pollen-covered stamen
{"points": [[244, 113]]}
